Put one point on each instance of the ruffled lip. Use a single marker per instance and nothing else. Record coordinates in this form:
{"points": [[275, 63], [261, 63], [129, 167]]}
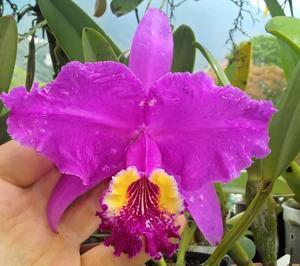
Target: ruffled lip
{"points": [[144, 214]]}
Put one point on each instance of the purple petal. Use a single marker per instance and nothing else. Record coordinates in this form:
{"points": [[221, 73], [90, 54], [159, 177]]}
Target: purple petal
{"points": [[65, 192], [83, 121], [206, 133], [204, 207], [152, 47], [144, 155]]}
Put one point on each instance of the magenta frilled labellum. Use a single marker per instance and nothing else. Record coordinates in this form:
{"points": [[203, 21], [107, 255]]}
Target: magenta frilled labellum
{"points": [[164, 139]]}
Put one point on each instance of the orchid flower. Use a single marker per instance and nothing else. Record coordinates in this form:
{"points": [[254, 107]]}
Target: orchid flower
{"points": [[163, 137]]}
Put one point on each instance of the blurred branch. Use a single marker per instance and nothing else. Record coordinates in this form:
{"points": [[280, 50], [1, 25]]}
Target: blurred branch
{"points": [[24, 10], [238, 21], [12, 6], [136, 11], [243, 12], [30, 64], [172, 5], [33, 30]]}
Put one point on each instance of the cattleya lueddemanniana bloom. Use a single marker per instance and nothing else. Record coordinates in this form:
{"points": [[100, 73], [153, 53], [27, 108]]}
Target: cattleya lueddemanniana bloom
{"points": [[163, 137]]}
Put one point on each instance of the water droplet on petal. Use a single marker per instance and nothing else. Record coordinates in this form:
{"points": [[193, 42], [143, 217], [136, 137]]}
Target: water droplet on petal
{"points": [[113, 151], [152, 102], [106, 168]]}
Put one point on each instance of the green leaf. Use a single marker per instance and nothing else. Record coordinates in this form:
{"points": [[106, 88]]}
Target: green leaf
{"points": [[4, 137], [214, 64], [30, 64], [292, 177], [274, 8], [96, 47], [184, 52], [100, 7], [286, 29], [237, 185], [66, 20], [288, 56], [280, 188], [8, 50], [284, 131], [122, 7], [230, 71], [238, 70]]}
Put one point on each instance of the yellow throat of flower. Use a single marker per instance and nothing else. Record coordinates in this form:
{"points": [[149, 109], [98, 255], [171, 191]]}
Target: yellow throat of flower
{"points": [[166, 197]]}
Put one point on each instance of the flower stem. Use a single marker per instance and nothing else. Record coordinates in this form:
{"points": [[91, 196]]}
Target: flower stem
{"points": [[264, 227], [161, 262], [237, 253], [242, 225], [222, 199], [185, 241]]}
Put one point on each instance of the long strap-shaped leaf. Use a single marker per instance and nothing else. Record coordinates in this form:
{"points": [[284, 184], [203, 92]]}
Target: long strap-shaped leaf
{"points": [[4, 137], [288, 56], [238, 70], [66, 20], [8, 51], [292, 176], [214, 64], [96, 47], [287, 29], [184, 51], [284, 131], [274, 8], [122, 7]]}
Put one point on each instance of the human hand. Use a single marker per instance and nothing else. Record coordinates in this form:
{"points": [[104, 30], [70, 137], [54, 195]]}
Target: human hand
{"points": [[26, 182]]}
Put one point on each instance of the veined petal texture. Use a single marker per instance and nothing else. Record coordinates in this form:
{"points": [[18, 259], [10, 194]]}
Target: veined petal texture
{"points": [[205, 209], [152, 47], [83, 121], [205, 133]]}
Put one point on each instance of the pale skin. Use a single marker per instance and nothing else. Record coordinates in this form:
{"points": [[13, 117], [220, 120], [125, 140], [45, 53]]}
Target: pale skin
{"points": [[26, 182]]}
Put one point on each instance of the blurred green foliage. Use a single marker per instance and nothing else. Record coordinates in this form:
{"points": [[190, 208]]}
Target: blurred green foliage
{"points": [[265, 51]]}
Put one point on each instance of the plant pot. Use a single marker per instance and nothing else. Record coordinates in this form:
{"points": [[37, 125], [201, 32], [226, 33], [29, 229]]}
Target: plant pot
{"points": [[291, 216]]}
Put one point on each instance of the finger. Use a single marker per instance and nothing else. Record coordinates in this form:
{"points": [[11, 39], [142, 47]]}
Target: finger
{"points": [[44, 187], [22, 166], [104, 256], [85, 247], [181, 222], [80, 219]]}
